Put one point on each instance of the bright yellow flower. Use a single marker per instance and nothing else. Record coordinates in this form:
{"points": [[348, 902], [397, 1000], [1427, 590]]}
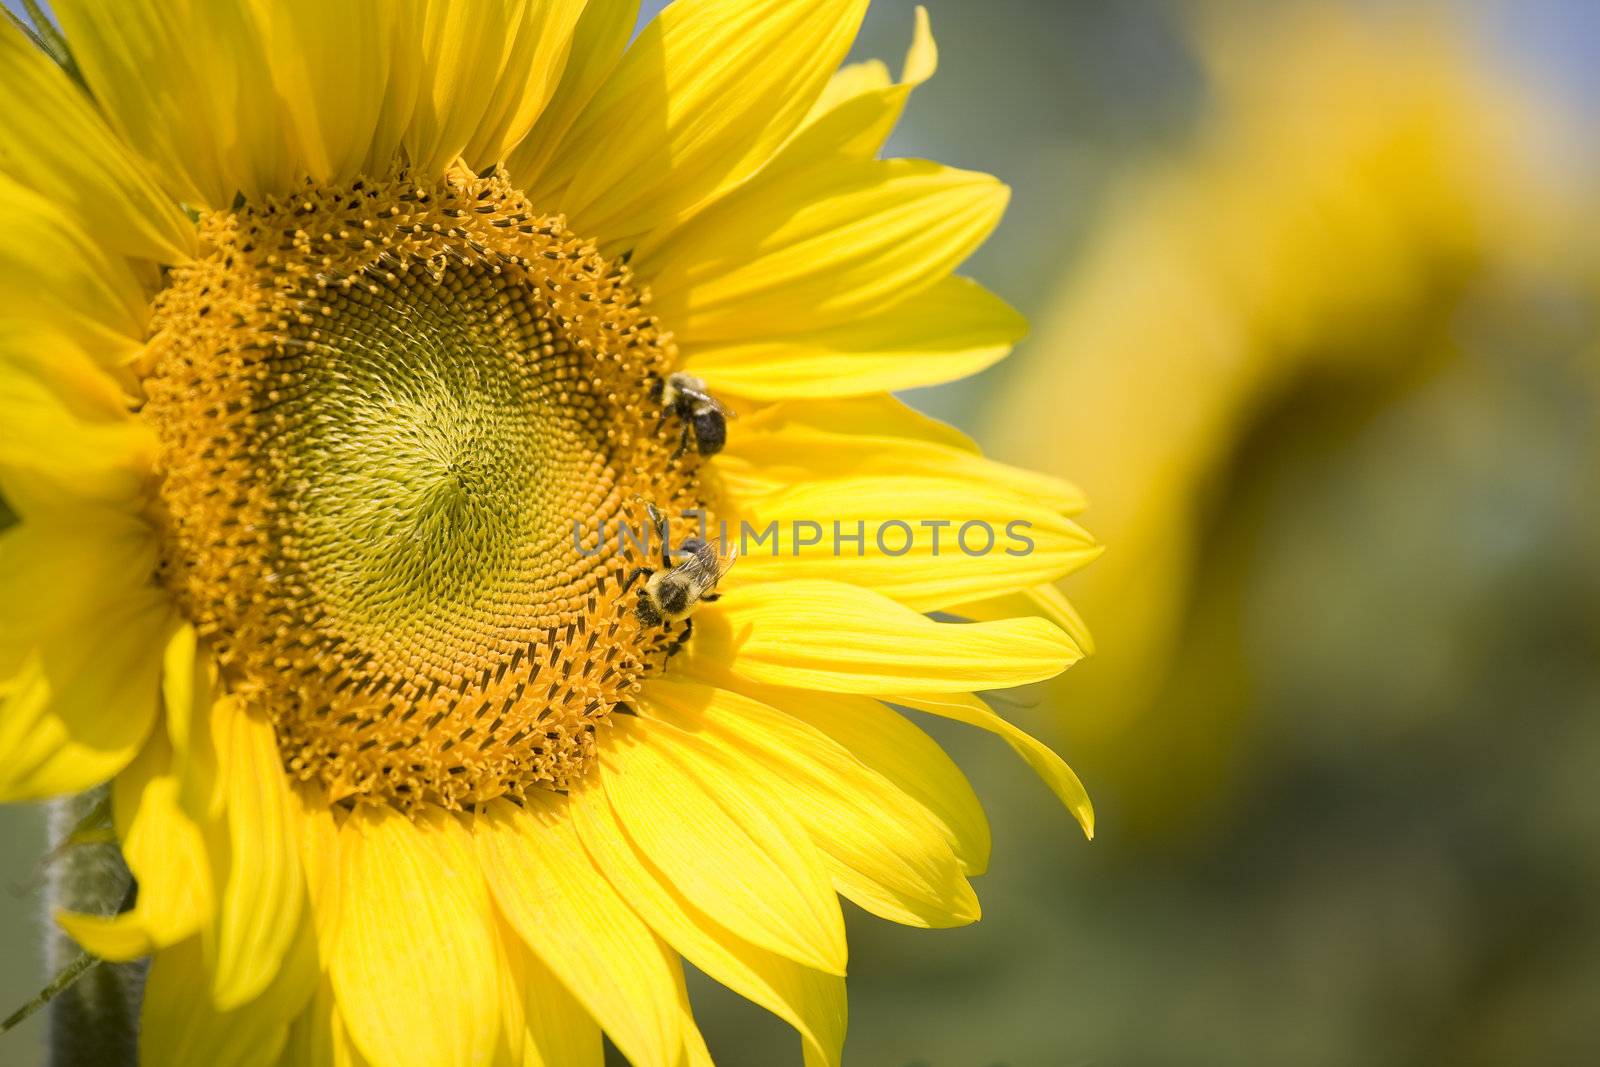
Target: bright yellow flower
{"points": [[1356, 173], [322, 324]]}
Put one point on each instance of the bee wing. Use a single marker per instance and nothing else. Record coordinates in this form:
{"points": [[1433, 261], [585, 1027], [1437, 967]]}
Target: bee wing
{"points": [[727, 412], [725, 556], [706, 565]]}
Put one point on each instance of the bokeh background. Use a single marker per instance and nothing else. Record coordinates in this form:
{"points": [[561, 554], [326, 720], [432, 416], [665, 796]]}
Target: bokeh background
{"points": [[1316, 294]]}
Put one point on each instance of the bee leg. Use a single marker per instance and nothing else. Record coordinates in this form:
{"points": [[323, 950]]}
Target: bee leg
{"points": [[683, 442], [683, 638], [664, 535], [635, 575], [711, 598]]}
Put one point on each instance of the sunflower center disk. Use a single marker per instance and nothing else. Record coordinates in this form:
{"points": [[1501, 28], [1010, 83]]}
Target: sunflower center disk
{"points": [[382, 410]]}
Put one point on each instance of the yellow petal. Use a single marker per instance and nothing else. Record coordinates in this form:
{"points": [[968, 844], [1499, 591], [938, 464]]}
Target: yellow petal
{"points": [[163, 847], [574, 921], [60, 579], [118, 938], [52, 271], [885, 852], [80, 651], [810, 1001], [446, 78], [1052, 603], [819, 248], [703, 98], [68, 436], [42, 365], [886, 741], [166, 853], [541, 44], [1045, 600], [850, 121], [414, 965], [187, 84], [964, 707], [804, 441], [317, 1036], [850, 428], [694, 1052], [952, 330], [482, 73], [850, 81], [559, 1032], [256, 859], [318, 834], [511, 968], [597, 43], [862, 115], [860, 106], [854, 115], [730, 852], [187, 691], [330, 66], [844, 639], [928, 542], [57, 143], [54, 741], [178, 1027]]}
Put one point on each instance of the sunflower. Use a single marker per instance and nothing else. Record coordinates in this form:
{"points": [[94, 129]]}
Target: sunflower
{"points": [[326, 330]]}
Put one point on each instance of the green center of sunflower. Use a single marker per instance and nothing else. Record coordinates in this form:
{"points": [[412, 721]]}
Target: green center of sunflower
{"points": [[438, 453], [383, 411]]}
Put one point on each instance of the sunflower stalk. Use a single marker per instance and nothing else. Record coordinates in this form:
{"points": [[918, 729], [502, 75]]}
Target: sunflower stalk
{"points": [[94, 1010]]}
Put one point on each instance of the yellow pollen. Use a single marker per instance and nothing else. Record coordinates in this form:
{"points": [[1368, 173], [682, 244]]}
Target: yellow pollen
{"points": [[383, 409]]}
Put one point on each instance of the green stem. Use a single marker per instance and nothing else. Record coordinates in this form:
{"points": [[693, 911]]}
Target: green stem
{"points": [[59, 984], [47, 38], [94, 1014]]}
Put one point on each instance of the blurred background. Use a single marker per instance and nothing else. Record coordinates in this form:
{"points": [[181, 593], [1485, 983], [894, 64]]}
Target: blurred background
{"points": [[1316, 301]]}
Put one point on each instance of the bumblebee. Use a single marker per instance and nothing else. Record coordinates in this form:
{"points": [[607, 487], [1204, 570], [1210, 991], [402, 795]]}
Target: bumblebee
{"points": [[669, 594], [700, 414]]}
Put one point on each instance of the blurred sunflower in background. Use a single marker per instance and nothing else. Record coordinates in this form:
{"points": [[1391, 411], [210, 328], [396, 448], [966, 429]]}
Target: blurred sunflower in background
{"points": [[1328, 365], [321, 327], [1359, 181]]}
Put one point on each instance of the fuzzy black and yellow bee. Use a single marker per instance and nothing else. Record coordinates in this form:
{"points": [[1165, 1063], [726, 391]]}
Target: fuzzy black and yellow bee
{"points": [[700, 415], [687, 576]]}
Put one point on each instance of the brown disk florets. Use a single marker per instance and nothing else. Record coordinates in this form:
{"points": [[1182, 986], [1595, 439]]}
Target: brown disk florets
{"points": [[385, 413]]}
